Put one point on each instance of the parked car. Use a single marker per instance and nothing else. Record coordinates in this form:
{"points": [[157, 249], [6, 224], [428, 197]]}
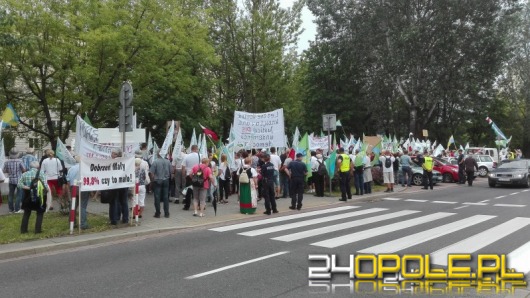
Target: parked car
{"points": [[449, 171], [485, 163], [417, 175], [515, 172]]}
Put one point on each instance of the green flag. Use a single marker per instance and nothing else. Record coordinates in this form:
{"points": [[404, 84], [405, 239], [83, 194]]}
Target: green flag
{"points": [[303, 147], [330, 164], [87, 120], [377, 151]]}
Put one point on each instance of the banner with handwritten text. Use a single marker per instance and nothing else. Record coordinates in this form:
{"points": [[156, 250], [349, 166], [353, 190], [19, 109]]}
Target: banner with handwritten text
{"points": [[103, 174], [259, 130]]}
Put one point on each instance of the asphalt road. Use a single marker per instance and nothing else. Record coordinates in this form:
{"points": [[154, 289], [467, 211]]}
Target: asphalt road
{"points": [[268, 257]]}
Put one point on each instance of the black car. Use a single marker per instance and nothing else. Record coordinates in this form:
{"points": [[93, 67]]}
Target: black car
{"points": [[515, 172]]}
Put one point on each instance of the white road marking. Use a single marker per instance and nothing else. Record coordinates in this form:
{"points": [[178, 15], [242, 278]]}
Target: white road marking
{"points": [[514, 193], [518, 259], [392, 199], [461, 207], [413, 200], [415, 239], [280, 219], [509, 205], [476, 204], [309, 222], [480, 240], [358, 236], [525, 190], [500, 197], [237, 265], [444, 202], [342, 226], [484, 201]]}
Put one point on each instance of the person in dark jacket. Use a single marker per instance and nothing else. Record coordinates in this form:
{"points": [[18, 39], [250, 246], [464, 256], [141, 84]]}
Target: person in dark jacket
{"points": [[297, 170], [470, 164], [267, 172]]}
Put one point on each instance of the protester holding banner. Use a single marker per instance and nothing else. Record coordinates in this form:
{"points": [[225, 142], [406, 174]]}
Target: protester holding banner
{"points": [[141, 176], [73, 177]]}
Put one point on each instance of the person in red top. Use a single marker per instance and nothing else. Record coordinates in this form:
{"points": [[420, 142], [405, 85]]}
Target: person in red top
{"points": [[199, 193]]}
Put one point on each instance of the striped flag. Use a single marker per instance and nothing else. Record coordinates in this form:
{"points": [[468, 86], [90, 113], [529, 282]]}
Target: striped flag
{"points": [[496, 129], [9, 117]]}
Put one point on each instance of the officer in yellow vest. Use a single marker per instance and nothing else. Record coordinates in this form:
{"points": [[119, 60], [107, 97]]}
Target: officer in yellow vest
{"points": [[427, 166], [345, 167]]}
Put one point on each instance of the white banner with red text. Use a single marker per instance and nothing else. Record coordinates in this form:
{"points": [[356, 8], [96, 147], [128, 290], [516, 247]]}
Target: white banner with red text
{"points": [[103, 174]]}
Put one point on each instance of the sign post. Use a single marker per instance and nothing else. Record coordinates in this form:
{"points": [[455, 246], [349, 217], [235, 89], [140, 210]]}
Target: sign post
{"points": [[329, 123], [126, 111]]}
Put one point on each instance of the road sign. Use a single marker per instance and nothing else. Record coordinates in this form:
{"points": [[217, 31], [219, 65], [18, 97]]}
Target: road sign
{"points": [[113, 136], [329, 122], [126, 94]]}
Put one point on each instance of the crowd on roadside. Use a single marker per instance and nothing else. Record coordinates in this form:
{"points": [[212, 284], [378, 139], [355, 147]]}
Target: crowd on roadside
{"points": [[254, 175]]}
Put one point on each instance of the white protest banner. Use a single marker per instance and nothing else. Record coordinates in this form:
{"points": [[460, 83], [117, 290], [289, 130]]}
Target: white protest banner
{"points": [[259, 130], [95, 150], [318, 143], [84, 131], [103, 174], [168, 140]]}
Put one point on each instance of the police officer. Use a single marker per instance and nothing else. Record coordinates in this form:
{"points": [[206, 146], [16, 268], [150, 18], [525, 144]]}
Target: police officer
{"points": [[344, 166], [267, 172], [297, 170], [427, 170]]}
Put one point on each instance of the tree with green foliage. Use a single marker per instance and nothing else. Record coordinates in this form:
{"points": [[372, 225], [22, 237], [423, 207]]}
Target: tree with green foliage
{"points": [[399, 66], [72, 56], [255, 43]]}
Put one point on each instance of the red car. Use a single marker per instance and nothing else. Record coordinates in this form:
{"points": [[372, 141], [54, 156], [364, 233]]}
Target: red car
{"points": [[448, 170]]}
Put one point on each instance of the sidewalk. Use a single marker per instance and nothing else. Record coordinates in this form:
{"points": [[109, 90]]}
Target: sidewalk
{"points": [[179, 219]]}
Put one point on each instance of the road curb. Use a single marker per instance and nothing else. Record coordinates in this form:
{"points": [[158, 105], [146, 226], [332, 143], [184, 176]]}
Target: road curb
{"points": [[63, 243]]}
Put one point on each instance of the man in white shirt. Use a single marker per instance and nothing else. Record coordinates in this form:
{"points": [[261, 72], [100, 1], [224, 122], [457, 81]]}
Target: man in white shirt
{"points": [[191, 160], [277, 162], [177, 169], [53, 168], [388, 170]]}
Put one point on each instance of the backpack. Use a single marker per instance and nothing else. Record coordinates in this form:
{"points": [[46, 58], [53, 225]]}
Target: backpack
{"points": [[197, 179], [243, 177], [38, 193], [322, 171], [388, 162], [227, 173]]}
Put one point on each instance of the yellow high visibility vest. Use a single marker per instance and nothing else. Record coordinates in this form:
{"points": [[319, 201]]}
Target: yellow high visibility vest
{"points": [[428, 164], [345, 165]]}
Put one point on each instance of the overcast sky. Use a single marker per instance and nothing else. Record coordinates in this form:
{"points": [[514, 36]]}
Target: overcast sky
{"points": [[310, 29]]}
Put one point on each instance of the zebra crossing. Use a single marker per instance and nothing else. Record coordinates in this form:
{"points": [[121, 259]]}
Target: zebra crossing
{"points": [[348, 222]]}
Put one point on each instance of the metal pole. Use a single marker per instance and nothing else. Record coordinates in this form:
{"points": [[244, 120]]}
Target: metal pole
{"points": [[124, 130], [329, 150]]}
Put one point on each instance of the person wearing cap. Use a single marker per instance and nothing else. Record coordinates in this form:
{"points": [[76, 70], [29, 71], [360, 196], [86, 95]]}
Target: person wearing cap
{"points": [[297, 171], [267, 172], [344, 167], [28, 157], [461, 167], [14, 168]]}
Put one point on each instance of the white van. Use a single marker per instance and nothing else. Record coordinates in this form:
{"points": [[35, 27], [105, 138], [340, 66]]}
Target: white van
{"points": [[493, 152]]}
